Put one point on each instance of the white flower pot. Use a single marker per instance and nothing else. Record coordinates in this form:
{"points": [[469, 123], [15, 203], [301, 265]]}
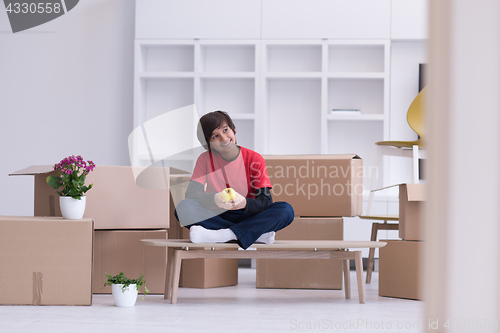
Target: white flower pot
{"points": [[72, 209], [124, 298]]}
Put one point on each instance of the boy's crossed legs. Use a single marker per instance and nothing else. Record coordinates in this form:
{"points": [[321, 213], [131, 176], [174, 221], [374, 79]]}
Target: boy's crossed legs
{"points": [[206, 226]]}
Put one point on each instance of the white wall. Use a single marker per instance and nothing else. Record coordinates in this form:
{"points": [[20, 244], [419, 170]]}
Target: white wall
{"points": [[66, 87]]}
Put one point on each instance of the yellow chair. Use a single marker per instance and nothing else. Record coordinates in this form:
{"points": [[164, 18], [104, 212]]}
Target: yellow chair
{"points": [[416, 119]]}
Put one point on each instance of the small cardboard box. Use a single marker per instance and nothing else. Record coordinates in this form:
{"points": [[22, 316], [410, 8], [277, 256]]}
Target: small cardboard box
{"points": [[411, 202], [198, 273], [302, 273], [399, 269], [118, 251], [208, 272], [116, 201], [45, 261], [318, 185]]}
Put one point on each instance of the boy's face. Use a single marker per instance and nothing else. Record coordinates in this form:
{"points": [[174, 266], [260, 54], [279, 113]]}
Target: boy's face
{"points": [[223, 139]]}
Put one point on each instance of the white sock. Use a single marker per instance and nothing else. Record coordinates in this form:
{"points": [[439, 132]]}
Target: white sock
{"points": [[198, 234], [267, 238]]}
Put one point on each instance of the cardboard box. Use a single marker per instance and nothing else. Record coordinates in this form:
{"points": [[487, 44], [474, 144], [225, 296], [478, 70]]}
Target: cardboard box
{"points": [[179, 185], [411, 202], [399, 269], [117, 200], [118, 251], [318, 185], [198, 273], [304, 273], [208, 272], [45, 261]]}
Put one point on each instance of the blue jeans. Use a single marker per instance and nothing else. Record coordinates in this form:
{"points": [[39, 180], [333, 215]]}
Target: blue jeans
{"points": [[246, 227]]}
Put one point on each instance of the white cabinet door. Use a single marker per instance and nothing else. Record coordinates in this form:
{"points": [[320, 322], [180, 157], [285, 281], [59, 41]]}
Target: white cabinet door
{"points": [[349, 19], [409, 19], [197, 19]]}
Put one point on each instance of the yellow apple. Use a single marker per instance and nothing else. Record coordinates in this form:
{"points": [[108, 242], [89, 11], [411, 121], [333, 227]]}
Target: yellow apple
{"points": [[228, 194]]}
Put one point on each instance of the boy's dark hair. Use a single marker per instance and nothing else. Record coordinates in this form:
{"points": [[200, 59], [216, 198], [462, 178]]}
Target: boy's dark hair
{"points": [[211, 121]]}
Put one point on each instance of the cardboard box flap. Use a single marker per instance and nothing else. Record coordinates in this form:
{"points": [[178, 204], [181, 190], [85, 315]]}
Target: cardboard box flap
{"points": [[415, 192], [384, 188], [317, 157], [33, 170]]}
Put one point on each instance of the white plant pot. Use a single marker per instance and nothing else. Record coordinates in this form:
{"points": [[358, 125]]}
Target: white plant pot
{"points": [[124, 298], [72, 209]]}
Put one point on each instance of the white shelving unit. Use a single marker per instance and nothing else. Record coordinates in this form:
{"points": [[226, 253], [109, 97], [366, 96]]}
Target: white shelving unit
{"points": [[213, 75], [303, 80], [278, 92]]}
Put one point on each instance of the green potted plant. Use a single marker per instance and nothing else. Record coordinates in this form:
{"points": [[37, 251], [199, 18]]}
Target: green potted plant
{"points": [[73, 171], [125, 290]]}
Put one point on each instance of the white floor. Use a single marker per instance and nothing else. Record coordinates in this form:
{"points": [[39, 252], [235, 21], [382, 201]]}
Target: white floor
{"points": [[241, 308]]}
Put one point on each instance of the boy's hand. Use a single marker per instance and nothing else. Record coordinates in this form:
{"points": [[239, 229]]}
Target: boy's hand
{"points": [[240, 202], [219, 201]]}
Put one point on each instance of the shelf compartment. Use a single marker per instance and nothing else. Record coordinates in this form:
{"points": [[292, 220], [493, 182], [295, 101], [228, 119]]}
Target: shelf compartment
{"points": [[235, 96], [167, 58], [356, 58], [228, 58], [245, 132], [356, 137], [294, 109], [366, 95], [294, 58], [164, 95]]}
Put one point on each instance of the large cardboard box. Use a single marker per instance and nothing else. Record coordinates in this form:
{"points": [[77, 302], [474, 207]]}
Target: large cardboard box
{"points": [[318, 185], [411, 202], [198, 273], [304, 273], [45, 261], [399, 269], [118, 251], [117, 201]]}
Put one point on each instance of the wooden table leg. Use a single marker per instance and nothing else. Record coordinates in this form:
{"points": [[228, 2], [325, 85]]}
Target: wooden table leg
{"points": [[347, 278], [358, 260], [168, 275], [176, 275], [371, 255]]}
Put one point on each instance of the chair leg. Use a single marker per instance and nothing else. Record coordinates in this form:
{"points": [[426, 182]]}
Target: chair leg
{"points": [[347, 278], [371, 255], [415, 165], [359, 275]]}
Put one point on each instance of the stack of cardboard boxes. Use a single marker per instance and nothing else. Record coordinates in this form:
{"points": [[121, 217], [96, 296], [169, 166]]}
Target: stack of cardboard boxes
{"points": [[321, 189], [400, 260], [126, 204]]}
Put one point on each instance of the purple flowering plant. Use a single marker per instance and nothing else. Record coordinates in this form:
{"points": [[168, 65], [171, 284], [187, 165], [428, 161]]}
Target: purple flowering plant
{"points": [[72, 173]]}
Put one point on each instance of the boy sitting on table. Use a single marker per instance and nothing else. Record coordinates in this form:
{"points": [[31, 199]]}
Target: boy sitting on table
{"points": [[251, 216]]}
